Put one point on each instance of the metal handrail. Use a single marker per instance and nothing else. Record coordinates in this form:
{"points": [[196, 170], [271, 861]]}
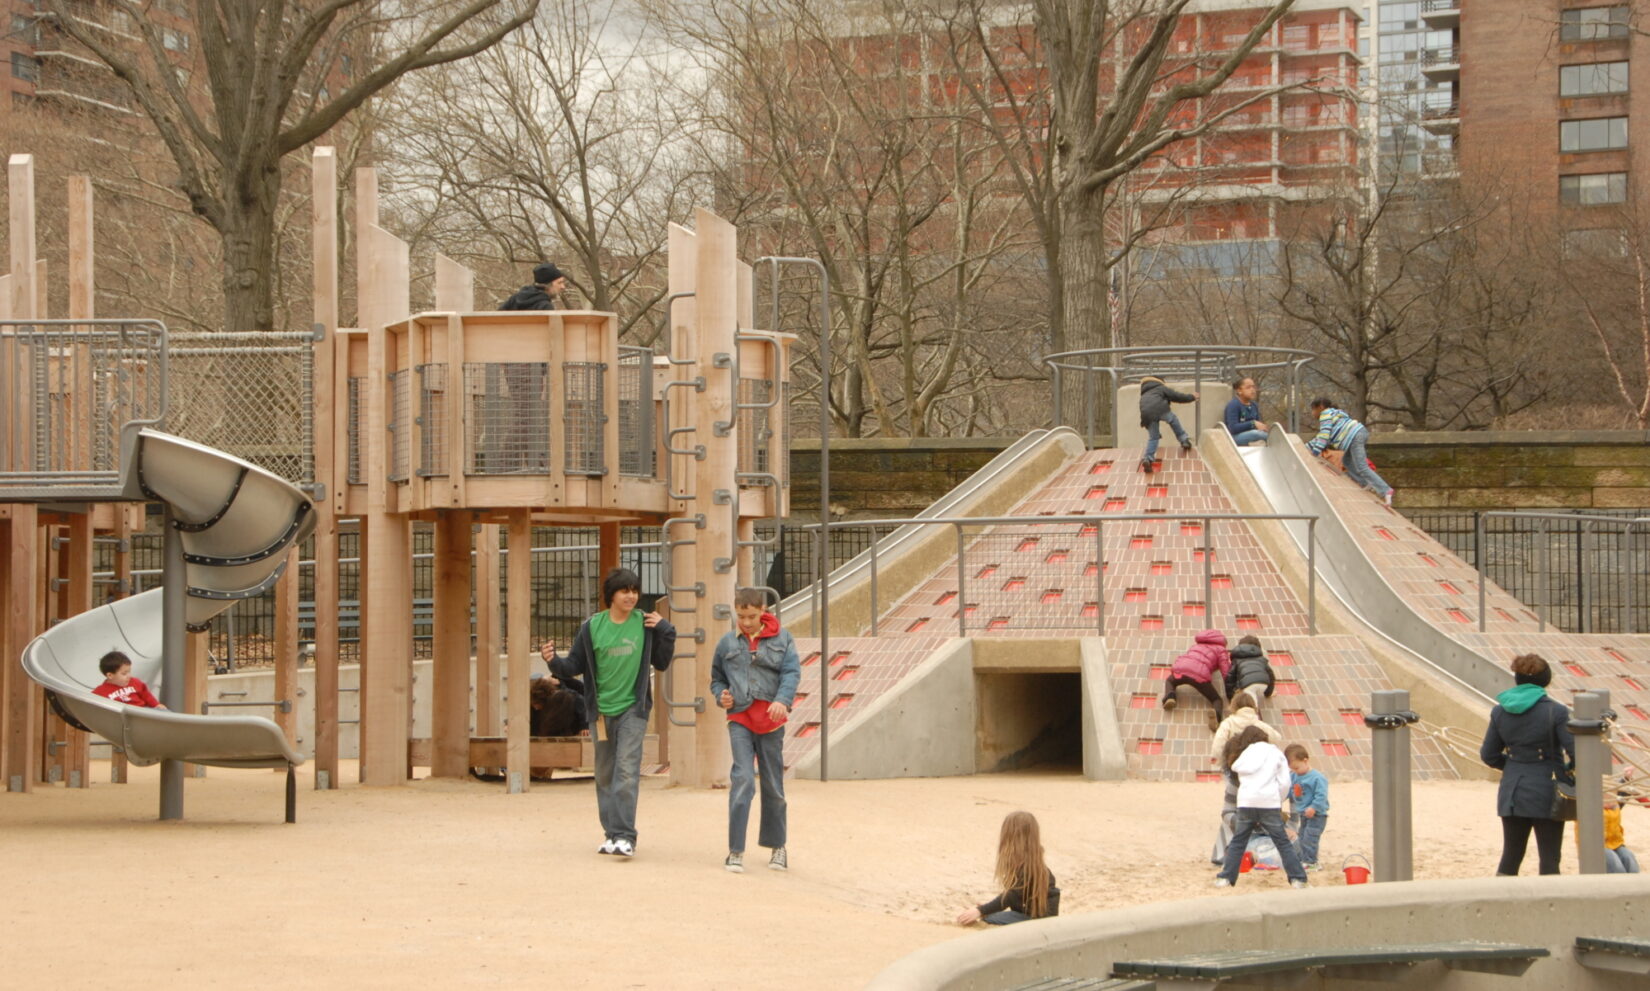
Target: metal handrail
{"points": [[1098, 522], [1584, 522], [1065, 362]]}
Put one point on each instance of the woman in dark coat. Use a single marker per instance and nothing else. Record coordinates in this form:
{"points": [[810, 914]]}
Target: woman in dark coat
{"points": [[1528, 741]]}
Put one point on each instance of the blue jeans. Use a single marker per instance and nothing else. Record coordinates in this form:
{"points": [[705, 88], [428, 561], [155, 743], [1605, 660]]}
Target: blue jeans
{"points": [[1006, 917], [1270, 822], [766, 752], [1357, 464], [1620, 861], [1154, 430], [619, 772], [1249, 437], [1307, 834]]}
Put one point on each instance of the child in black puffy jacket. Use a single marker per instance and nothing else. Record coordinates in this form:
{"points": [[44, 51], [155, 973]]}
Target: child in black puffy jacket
{"points": [[1250, 669]]}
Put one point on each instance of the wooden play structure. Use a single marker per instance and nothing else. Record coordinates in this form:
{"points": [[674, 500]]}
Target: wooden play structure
{"points": [[481, 425]]}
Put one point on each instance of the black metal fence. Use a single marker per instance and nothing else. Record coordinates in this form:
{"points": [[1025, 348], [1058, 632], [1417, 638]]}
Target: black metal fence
{"points": [[566, 585], [1592, 579]]}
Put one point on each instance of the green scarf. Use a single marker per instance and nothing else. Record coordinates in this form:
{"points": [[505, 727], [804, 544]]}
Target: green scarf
{"points": [[1520, 698]]}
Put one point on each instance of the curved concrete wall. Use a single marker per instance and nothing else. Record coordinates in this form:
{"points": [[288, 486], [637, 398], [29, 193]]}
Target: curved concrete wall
{"points": [[1536, 911]]}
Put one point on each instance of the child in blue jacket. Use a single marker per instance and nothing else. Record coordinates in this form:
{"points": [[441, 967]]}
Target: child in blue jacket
{"points": [[1339, 431], [1308, 804], [753, 675]]}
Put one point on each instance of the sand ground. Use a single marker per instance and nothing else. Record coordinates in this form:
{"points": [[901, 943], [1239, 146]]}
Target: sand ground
{"points": [[449, 883]]}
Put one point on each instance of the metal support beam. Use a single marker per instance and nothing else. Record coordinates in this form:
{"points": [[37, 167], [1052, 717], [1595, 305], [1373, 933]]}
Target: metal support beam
{"points": [[1592, 739], [1388, 719]]}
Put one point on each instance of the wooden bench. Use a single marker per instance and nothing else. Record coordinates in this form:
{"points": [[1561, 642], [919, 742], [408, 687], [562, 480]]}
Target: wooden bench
{"points": [[1361, 961], [1623, 956], [561, 753]]}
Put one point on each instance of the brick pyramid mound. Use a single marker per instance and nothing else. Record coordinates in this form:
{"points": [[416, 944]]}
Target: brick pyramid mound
{"points": [[1443, 590], [1144, 580]]}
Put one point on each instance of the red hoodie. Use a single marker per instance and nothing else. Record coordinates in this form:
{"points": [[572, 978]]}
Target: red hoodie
{"points": [[755, 717]]}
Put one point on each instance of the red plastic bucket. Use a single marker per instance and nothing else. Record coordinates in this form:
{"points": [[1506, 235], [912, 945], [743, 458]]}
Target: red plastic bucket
{"points": [[1354, 873], [1248, 863]]}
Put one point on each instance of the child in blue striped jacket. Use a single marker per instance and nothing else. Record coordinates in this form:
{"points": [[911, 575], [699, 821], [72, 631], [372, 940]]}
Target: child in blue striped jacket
{"points": [[1339, 431]]}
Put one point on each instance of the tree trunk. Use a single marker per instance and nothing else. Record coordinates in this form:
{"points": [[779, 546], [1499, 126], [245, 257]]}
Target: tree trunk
{"points": [[248, 235], [1085, 311]]}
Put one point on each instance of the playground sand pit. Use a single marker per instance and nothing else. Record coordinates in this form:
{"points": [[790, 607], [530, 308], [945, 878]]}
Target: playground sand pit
{"points": [[454, 884]]}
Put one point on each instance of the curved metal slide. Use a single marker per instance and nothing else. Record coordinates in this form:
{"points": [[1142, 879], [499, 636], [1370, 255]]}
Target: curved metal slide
{"points": [[232, 522]]}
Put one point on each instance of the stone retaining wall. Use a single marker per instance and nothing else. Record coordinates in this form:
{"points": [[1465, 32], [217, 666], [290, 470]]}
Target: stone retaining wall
{"points": [[1583, 469]]}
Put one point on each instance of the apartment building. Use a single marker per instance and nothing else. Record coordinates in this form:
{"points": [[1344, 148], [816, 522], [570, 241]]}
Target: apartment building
{"points": [[1545, 89]]}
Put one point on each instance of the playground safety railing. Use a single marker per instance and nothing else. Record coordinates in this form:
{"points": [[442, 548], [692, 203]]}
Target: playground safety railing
{"points": [[1582, 525], [68, 391], [1084, 383], [1073, 538]]}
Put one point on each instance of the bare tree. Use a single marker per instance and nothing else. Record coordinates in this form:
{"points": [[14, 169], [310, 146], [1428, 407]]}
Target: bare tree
{"points": [[1606, 275], [836, 137], [267, 69], [563, 142]]}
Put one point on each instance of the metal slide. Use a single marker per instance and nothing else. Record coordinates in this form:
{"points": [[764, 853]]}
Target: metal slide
{"points": [[229, 524], [1281, 470]]}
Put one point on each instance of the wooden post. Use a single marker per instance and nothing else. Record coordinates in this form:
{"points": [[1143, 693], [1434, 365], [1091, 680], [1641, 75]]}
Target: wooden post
{"points": [[329, 475], [53, 608], [455, 286], [386, 673], [77, 758], [19, 599], [450, 655], [286, 649], [196, 665], [517, 641], [488, 687], [607, 548], [717, 299]]}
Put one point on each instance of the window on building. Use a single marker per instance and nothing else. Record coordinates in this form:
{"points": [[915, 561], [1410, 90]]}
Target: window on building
{"points": [[25, 67], [1593, 190], [177, 41], [1602, 134], [1594, 242], [1592, 24], [25, 29], [1592, 79]]}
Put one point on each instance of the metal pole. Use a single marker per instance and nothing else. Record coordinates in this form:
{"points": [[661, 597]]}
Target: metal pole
{"points": [[873, 581], [1591, 733], [1099, 579], [962, 585], [1546, 565], [1208, 571], [1584, 606], [174, 600], [1477, 556], [1057, 415], [1312, 576], [1089, 407], [1388, 720], [1197, 407], [1581, 586]]}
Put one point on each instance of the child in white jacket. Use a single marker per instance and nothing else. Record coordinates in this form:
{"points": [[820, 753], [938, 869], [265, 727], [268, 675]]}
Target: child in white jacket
{"points": [[1263, 781]]}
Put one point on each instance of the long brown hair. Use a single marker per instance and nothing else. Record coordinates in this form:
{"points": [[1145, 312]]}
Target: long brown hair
{"points": [[1238, 744], [1020, 861]]}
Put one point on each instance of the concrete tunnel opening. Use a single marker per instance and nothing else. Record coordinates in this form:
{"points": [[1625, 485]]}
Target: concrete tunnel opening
{"points": [[1028, 722]]}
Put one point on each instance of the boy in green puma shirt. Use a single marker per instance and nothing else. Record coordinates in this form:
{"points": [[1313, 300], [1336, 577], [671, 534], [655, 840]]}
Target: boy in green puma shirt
{"points": [[609, 652]]}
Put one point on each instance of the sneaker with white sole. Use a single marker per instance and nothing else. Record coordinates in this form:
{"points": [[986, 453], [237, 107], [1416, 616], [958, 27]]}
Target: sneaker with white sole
{"points": [[778, 862], [735, 863], [1297, 884], [624, 848], [1221, 882], [1388, 497], [607, 847]]}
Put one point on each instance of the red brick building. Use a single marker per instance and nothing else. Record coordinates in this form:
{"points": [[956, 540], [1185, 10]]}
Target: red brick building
{"points": [[1545, 90]]}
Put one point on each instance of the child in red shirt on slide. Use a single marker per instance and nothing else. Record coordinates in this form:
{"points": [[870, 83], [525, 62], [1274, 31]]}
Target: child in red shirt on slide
{"points": [[119, 685]]}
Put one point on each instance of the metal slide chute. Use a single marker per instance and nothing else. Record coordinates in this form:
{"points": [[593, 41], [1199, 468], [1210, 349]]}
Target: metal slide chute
{"points": [[229, 524]]}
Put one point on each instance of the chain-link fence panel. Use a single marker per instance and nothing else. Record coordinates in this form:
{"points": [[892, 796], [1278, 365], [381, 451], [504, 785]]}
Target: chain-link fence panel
{"points": [[247, 394]]}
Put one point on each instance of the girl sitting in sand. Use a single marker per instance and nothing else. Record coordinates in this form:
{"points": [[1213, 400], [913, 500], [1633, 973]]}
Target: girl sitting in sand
{"points": [[1029, 891]]}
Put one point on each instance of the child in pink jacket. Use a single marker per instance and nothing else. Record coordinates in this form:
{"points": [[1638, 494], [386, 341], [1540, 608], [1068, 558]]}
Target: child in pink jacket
{"points": [[1197, 668]]}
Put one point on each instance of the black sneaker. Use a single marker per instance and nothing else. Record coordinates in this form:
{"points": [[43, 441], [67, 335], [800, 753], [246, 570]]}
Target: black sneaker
{"points": [[1185, 447], [778, 862], [1146, 465]]}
